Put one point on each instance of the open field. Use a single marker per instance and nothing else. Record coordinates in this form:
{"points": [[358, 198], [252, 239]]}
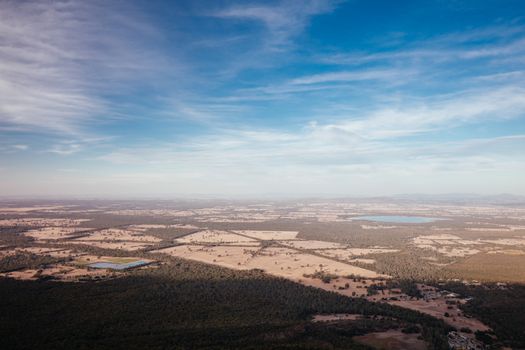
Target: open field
{"points": [[146, 227], [350, 253], [438, 248], [214, 236], [17, 209], [438, 308], [392, 340], [269, 235], [282, 262], [59, 272], [54, 233], [120, 235], [336, 317], [54, 252], [41, 222], [61, 264], [130, 246], [231, 257], [506, 267], [437, 305], [87, 259], [312, 245]]}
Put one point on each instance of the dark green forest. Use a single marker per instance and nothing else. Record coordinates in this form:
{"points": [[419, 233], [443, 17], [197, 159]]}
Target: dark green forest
{"points": [[500, 307], [185, 305]]}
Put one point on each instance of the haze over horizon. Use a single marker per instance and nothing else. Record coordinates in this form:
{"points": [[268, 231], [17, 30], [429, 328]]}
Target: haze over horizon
{"points": [[296, 98]]}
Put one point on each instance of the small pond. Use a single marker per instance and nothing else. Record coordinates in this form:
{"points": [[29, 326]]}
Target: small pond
{"points": [[107, 265]]}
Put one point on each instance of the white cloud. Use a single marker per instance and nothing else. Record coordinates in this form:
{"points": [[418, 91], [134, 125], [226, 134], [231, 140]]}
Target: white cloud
{"points": [[382, 74], [356, 140], [358, 127], [486, 43], [282, 21], [436, 113], [57, 60]]}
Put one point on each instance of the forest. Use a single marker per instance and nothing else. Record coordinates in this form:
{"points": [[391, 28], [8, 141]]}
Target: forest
{"points": [[185, 304], [502, 307]]}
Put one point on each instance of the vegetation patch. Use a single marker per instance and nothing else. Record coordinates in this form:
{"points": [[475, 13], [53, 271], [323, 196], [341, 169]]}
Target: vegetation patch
{"points": [[492, 267]]}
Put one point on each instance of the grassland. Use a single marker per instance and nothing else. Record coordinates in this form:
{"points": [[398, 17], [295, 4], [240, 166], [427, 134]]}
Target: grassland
{"points": [[392, 340], [496, 267]]}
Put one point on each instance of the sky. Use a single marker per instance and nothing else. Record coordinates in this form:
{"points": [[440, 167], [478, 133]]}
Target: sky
{"points": [[261, 98]]}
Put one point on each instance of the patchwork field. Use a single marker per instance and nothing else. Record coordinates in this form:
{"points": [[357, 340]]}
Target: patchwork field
{"points": [[209, 236], [350, 253], [59, 272], [129, 246], [269, 235], [17, 209], [454, 246], [41, 222], [54, 252], [54, 233], [120, 235], [315, 244], [281, 262]]}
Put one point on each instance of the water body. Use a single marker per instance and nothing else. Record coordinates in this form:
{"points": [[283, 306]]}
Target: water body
{"points": [[106, 265], [397, 219]]}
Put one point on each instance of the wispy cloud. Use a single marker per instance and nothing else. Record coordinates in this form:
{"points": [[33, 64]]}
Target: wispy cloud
{"points": [[382, 74], [237, 95], [270, 32], [282, 21], [441, 112], [486, 43], [358, 139], [243, 161], [58, 60]]}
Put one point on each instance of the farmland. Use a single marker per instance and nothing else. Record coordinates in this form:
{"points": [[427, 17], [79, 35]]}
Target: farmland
{"points": [[321, 246]]}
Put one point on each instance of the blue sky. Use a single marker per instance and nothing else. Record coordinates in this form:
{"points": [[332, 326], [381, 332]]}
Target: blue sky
{"points": [[270, 98]]}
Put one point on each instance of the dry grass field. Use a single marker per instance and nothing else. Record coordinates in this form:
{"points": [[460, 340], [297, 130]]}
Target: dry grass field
{"points": [[59, 272], [214, 236], [349, 253], [392, 340], [269, 235], [282, 262], [311, 245], [129, 246], [54, 233], [41, 222], [120, 235], [336, 317], [54, 252], [495, 267], [438, 308]]}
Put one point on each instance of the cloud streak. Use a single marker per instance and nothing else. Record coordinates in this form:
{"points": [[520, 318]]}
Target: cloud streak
{"points": [[59, 59], [244, 96], [282, 22], [438, 113]]}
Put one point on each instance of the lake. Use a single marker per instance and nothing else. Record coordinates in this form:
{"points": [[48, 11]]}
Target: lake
{"points": [[400, 219]]}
